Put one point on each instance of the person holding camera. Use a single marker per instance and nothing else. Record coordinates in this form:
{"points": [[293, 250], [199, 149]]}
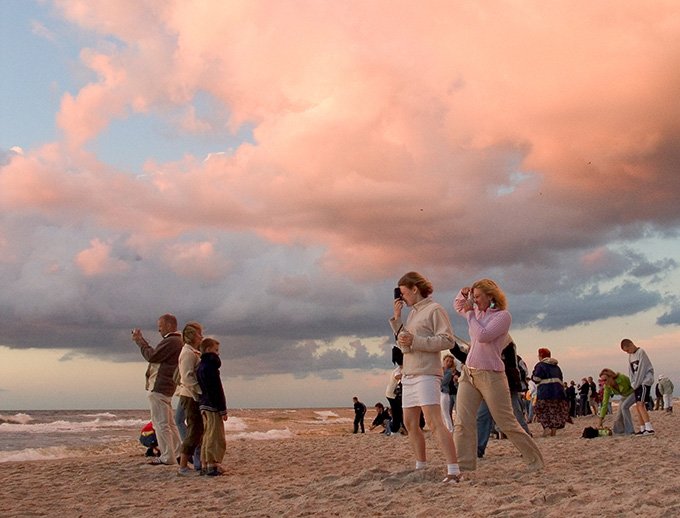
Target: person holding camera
{"points": [[161, 385], [427, 332], [483, 376]]}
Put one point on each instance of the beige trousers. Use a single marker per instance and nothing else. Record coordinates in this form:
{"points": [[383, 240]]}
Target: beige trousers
{"points": [[474, 386], [163, 420]]}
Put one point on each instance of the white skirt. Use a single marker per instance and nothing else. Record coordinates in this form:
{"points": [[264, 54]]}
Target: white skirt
{"points": [[422, 390]]}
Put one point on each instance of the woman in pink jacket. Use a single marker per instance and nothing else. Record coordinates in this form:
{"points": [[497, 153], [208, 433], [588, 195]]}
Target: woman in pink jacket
{"points": [[483, 376]]}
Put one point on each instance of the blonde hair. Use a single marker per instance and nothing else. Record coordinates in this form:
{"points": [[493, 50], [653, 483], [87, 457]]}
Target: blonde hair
{"points": [[491, 289], [191, 331], [609, 373], [412, 279]]}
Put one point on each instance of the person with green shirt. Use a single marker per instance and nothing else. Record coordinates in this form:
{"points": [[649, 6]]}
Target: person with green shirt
{"points": [[618, 384]]}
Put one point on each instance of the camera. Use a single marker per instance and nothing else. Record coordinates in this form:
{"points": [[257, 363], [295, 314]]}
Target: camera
{"points": [[397, 294]]}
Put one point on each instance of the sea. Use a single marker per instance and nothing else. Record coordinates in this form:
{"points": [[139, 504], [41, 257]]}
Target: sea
{"points": [[55, 434]]}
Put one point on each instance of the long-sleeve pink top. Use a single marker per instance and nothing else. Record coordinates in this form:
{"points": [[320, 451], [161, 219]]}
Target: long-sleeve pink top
{"points": [[488, 331]]}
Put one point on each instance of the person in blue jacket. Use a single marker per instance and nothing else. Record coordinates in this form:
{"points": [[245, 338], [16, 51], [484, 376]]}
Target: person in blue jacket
{"points": [[552, 405]]}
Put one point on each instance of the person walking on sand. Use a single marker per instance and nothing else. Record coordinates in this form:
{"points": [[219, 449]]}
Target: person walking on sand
{"points": [[359, 413], [484, 306], [161, 385], [552, 405], [514, 372], [641, 374], [426, 333], [665, 387]]}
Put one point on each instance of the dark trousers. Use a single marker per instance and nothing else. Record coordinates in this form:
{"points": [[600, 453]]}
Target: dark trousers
{"points": [[572, 407], [194, 425], [397, 413], [359, 421]]}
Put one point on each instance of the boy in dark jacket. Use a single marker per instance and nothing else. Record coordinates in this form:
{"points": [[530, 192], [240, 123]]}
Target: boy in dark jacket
{"points": [[213, 407]]}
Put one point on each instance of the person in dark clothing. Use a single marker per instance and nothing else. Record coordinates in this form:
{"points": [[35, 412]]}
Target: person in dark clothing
{"points": [[583, 390], [571, 397], [359, 413], [213, 407], [592, 395], [381, 416], [393, 392], [148, 439], [552, 405]]}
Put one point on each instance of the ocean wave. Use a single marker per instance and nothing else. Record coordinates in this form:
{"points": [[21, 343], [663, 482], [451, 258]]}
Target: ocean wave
{"points": [[105, 415], [15, 419], [262, 436], [326, 414], [235, 424], [50, 453], [72, 427]]}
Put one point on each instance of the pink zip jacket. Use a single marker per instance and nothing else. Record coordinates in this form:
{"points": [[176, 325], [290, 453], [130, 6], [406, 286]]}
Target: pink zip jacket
{"points": [[488, 331]]}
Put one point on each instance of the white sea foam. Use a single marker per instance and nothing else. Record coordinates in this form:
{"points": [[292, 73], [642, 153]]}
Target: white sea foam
{"points": [[262, 436], [326, 414], [104, 415], [235, 424], [16, 418], [72, 427], [52, 452]]}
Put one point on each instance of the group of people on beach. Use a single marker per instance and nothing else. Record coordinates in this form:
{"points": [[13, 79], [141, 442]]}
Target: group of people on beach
{"points": [[491, 385], [489, 389], [186, 365]]}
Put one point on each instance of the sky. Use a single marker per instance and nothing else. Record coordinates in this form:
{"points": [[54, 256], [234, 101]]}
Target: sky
{"points": [[270, 169]]}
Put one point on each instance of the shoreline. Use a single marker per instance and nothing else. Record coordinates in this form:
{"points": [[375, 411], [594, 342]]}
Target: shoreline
{"points": [[337, 473]]}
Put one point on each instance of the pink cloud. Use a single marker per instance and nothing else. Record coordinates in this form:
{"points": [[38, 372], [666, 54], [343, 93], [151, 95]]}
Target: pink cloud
{"points": [[97, 260], [196, 260], [389, 137]]}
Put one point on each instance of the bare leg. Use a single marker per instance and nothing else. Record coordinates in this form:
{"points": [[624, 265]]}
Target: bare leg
{"points": [[642, 412], [433, 417], [415, 434]]}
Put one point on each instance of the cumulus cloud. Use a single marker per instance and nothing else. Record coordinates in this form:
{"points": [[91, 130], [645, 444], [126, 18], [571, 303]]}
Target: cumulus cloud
{"points": [[97, 260], [461, 141]]}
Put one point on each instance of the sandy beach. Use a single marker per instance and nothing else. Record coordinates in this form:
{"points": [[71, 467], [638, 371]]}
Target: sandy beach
{"points": [[328, 471]]}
